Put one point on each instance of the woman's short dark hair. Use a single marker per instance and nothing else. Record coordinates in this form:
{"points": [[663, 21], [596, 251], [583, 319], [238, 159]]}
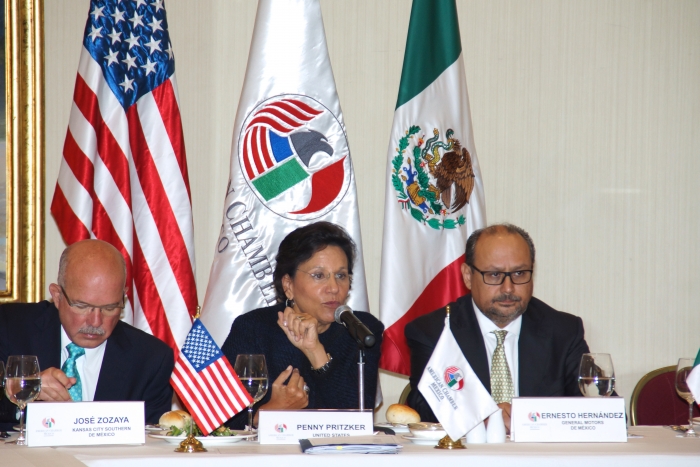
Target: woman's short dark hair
{"points": [[301, 244]]}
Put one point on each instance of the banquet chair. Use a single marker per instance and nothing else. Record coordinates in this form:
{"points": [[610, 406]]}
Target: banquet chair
{"points": [[404, 394], [655, 401]]}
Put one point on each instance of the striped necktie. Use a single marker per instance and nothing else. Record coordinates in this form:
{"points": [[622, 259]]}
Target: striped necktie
{"points": [[501, 380], [70, 369]]}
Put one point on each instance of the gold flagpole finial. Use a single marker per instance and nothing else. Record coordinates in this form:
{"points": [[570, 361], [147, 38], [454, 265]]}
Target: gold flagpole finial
{"points": [[447, 308], [199, 309]]}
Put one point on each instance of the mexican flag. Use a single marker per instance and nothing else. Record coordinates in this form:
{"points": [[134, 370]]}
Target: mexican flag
{"points": [[693, 379], [290, 163], [434, 191]]}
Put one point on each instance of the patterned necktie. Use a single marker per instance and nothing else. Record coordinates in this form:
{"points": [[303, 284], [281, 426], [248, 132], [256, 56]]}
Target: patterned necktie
{"points": [[70, 369], [501, 381]]}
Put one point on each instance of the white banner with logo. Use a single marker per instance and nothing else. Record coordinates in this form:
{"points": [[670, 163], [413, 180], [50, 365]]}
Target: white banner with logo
{"points": [[290, 163]]}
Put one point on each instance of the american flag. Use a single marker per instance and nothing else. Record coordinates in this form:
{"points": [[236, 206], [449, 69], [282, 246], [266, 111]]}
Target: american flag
{"points": [[123, 177], [205, 381]]}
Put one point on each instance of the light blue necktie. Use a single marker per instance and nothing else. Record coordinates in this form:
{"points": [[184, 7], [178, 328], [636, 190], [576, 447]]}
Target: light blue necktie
{"points": [[70, 369]]}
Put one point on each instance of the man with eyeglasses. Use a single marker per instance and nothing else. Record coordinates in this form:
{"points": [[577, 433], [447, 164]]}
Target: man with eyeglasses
{"points": [[516, 344], [85, 351]]}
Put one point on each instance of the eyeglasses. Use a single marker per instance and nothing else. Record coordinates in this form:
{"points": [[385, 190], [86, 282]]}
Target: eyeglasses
{"points": [[85, 308], [498, 277], [322, 277]]}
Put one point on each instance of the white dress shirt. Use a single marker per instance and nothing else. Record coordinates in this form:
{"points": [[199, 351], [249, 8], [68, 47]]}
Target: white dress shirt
{"points": [[88, 365], [510, 344]]}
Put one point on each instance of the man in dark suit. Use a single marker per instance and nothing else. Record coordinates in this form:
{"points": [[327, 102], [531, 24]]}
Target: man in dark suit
{"points": [[541, 347], [84, 350]]}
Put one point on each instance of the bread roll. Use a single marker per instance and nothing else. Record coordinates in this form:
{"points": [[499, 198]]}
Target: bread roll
{"points": [[398, 413], [177, 418]]}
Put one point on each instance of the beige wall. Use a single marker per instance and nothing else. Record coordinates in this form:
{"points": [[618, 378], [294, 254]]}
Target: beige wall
{"points": [[587, 125]]}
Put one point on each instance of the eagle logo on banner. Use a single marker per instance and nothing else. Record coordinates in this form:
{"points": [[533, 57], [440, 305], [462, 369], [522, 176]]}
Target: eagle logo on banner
{"points": [[436, 181], [293, 153]]}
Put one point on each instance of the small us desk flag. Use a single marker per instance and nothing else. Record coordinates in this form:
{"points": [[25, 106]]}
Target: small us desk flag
{"points": [[123, 177], [454, 392], [434, 193], [205, 381], [693, 379]]}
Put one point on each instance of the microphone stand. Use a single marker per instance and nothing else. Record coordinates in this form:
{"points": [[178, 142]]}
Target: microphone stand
{"points": [[361, 374]]}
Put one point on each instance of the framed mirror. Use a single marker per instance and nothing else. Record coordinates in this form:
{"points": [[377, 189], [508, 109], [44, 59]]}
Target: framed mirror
{"points": [[22, 186]]}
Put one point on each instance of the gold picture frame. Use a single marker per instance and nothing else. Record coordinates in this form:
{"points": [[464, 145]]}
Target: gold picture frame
{"points": [[24, 91]]}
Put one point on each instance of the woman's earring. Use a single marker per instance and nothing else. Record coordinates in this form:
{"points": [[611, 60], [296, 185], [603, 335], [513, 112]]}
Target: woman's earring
{"points": [[289, 303]]}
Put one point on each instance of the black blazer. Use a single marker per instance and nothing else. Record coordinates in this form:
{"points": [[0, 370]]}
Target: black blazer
{"points": [[549, 349], [136, 366]]}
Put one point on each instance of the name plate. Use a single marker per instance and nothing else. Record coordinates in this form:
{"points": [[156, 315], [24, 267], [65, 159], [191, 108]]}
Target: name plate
{"points": [[85, 423], [568, 420], [289, 426]]}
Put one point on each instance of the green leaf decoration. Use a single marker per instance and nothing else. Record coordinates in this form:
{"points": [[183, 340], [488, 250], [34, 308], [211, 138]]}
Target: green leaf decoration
{"points": [[461, 220], [434, 223], [449, 224], [430, 196], [417, 214], [398, 186], [397, 162]]}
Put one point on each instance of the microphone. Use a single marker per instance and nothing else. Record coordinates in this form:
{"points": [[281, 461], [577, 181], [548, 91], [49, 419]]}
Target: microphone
{"points": [[357, 329]]}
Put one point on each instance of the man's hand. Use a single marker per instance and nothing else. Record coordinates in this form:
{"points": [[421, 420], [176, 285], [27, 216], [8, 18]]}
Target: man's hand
{"points": [[55, 385], [506, 415]]}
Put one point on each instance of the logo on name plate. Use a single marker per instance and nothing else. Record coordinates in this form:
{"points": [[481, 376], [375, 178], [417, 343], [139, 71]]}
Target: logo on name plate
{"points": [[533, 416], [48, 422], [454, 378], [280, 428]]}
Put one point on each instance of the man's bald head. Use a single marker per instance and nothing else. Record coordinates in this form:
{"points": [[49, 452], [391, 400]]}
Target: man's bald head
{"points": [[91, 278], [87, 256]]}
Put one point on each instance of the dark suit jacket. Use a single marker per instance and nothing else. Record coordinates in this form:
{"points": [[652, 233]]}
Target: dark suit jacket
{"points": [[136, 366], [549, 349]]}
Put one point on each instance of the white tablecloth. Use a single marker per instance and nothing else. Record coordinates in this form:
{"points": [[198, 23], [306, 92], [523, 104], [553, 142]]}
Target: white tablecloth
{"points": [[659, 446]]}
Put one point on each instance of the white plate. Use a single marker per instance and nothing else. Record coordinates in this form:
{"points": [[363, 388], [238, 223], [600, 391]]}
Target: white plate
{"points": [[421, 441], [397, 427], [153, 428], [206, 440]]}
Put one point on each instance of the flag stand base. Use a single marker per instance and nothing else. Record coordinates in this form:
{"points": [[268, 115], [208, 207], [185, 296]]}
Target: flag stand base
{"points": [[448, 443], [191, 444]]}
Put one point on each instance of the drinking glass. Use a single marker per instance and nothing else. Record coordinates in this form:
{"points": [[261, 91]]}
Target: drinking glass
{"points": [[596, 375], [685, 365], [22, 385], [3, 434], [252, 371]]}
